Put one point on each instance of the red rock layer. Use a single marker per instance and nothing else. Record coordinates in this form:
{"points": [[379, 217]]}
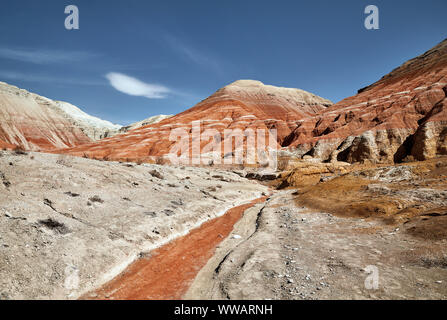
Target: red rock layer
{"points": [[31, 122], [5, 145], [244, 104]]}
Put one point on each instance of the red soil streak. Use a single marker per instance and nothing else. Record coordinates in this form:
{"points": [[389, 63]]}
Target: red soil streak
{"points": [[170, 270]]}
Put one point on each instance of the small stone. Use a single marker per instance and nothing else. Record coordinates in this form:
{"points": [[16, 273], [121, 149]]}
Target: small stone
{"points": [[236, 236]]}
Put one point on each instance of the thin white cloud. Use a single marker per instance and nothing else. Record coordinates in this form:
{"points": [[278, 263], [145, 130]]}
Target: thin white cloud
{"points": [[41, 56], [134, 87], [192, 54], [13, 75]]}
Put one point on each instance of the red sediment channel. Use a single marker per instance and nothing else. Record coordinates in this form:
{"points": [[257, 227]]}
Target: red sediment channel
{"points": [[170, 270]]}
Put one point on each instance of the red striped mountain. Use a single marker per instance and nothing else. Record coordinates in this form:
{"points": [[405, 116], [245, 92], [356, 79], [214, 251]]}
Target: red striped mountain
{"points": [[33, 122], [241, 105], [402, 114]]}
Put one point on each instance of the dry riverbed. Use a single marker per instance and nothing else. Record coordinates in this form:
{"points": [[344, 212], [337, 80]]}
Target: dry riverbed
{"points": [[167, 272]]}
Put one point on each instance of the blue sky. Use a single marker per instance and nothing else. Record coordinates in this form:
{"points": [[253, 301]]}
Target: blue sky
{"points": [[136, 58]]}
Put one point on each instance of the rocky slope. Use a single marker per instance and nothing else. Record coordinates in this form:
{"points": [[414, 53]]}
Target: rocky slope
{"points": [[93, 127], [244, 104], [145, 122], [402, 114], [34, 122]]}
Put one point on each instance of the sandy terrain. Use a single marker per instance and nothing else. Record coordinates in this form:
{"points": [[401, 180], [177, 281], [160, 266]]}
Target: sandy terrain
{"points": [[69, 225]]}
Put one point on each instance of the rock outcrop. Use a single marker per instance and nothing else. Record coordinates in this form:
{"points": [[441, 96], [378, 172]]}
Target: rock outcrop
{"points": [[402, 114], [430, 139], [244, 104], [33, 122]]}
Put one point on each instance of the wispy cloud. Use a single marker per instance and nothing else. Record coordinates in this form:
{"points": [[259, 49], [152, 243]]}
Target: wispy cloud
{"points": [[42, 56], [134, 87], [13, 75], [196, 56]]}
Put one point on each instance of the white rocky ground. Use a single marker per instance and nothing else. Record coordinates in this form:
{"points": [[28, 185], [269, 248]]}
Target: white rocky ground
{"points": [[68, 225], [281, 251]]}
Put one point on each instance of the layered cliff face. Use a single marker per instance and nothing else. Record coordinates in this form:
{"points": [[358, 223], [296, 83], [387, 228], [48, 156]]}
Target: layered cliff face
{"points": [[244, 104], [401, 115], [4, 145], [430, 139], [33, 122]]}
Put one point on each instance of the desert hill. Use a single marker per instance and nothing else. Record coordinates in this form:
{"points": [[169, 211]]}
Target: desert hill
{"points": [[244, 104], [33, 122], [400, 115]]}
